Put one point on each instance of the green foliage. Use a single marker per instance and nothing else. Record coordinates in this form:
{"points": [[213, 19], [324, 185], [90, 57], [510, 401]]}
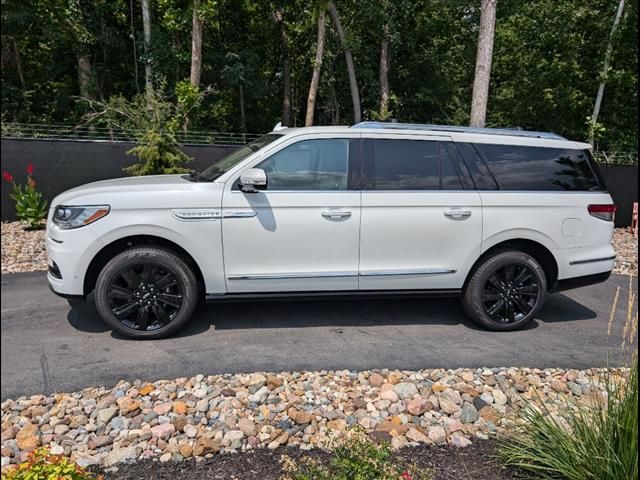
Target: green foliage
{"points": [[355, 457], [31, 207], [43, 466], [597, 441], [157, 119], [547, 61], [158, 153]]}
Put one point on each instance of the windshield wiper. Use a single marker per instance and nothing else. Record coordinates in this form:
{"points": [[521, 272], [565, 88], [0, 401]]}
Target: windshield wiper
{"points": [[193, 176]]}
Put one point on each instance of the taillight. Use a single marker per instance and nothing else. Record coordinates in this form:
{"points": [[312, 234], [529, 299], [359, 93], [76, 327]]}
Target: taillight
{"points": [[603, 212]]}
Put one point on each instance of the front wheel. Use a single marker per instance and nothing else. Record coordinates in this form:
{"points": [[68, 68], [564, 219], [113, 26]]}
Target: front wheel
{"points": [[146, 292], [506, 291]]}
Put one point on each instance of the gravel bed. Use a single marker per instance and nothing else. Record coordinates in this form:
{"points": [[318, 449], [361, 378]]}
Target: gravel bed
{"points": [[172, 420], [478, 462], [23, 251]]}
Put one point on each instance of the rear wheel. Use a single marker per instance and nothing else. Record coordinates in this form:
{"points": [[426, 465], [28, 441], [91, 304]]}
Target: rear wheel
{"points": [[506, 291], [146, 292]]}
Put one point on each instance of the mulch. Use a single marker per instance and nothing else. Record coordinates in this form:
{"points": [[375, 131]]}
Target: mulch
{"points": [[475, 462]]}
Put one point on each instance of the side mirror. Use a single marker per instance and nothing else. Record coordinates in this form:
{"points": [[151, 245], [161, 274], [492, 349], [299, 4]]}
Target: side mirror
{"points": [[252, 180]]}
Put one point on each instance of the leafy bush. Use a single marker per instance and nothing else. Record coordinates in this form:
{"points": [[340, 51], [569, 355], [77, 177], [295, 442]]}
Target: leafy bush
{"points": [[159, 153], [156, 120], [598, 441], [355, 457], [31, 207], [43, 466]]}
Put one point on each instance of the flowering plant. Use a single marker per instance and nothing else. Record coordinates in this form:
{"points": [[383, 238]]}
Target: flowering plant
{"points": [[31, 207]]}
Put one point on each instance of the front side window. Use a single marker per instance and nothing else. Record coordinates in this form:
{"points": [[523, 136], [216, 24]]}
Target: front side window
{"points": [[227, 163], [318, 164], [539, 168]]}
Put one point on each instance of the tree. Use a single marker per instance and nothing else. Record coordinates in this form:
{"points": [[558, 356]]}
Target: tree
{"points": [[484, 57], [353, 84], [317, 65], [278, 17], [385, 65], [196, 46], [146, 25], [603, 75]]}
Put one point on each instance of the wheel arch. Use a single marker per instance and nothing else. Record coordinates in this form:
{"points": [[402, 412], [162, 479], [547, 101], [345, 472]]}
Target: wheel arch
{"points": [[537, 250], [117, 246]]}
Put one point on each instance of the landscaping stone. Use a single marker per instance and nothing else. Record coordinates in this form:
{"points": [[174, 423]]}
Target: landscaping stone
{"points": [[206, 415]]}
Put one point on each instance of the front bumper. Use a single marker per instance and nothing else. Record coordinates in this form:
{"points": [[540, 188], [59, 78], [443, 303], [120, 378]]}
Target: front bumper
{"points": [[69, 253]]}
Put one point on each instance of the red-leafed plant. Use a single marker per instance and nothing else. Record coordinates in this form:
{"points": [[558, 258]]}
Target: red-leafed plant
{"points": [[31, 207]]}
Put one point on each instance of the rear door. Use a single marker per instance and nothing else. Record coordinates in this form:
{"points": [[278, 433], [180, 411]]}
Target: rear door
{"points": [[421, 216]]}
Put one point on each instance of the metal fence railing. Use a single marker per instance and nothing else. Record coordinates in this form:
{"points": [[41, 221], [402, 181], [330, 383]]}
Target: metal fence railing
{"points": [[616, 158], [66, 132]]}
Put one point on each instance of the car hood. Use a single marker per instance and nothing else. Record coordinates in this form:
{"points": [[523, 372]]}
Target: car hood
{"points": [[154, 191]]}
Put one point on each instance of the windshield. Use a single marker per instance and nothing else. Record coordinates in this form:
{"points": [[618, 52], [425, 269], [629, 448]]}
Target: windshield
{"points": [[231, 160]]}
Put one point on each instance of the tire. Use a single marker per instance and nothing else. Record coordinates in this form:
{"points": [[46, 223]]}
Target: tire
{"points": [[506, 291], [146, 293]]}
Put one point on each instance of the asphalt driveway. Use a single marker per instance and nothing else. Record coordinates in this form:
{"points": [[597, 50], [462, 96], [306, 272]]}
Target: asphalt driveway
{"points": [[48, 346]]}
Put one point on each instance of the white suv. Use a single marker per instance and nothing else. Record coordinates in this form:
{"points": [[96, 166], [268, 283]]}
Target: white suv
{"points": [[502, 217]]}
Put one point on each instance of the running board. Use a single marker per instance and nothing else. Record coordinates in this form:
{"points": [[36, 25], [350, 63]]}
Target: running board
{"points": [[316, 295]]}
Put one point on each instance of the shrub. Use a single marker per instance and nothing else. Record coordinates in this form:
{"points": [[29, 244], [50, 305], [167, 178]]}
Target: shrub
{"points": [[159, 153], [355, 457], [31, 207], [43, 466], [598, 441]]}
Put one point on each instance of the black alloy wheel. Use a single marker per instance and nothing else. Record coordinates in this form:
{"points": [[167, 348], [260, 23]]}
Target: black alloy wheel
{"points": [[145, 296], [146, 292], [505, 290], [510, 293]]}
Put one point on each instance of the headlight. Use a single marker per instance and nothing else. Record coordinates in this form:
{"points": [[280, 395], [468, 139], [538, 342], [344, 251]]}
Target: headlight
{"points": [[75, 217]]}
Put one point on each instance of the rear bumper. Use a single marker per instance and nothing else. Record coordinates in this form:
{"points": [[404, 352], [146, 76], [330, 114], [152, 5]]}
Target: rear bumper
{"points": [[577, 282]]}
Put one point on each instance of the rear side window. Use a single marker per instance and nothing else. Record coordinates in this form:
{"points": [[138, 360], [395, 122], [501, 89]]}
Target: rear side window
{"points": [[539, 168], [392, 164]]}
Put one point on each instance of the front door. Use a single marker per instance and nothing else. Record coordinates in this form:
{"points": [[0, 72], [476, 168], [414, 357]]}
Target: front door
{"points": [[421, 216], [301, 232]]}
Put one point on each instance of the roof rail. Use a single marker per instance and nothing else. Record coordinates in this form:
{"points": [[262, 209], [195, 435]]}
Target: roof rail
{"points": [[513, 132]]}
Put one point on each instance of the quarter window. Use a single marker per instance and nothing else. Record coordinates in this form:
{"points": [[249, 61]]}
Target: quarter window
{"points": [[318, 164], [539, 168]]}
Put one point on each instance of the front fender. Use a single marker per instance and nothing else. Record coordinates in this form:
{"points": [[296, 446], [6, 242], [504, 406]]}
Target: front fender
{"points": [[201, 239]]}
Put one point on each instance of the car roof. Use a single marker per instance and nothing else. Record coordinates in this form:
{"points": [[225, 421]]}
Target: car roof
{"points": [[504, 136]]}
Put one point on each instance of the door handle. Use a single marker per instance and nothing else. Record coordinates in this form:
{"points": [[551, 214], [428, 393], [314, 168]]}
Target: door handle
{"points": [[334, 213], [457, 214]]}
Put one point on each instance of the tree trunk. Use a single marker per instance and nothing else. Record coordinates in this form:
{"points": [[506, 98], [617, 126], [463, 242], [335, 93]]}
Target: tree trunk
{"points": [[336, 106], [85, 76], [603, 75], [18, 62], [196, 46], [315, 78], [146, 26], [135, 48], [353, 84], [243, 125], [385, 61], [286, 69], [483, 63]]}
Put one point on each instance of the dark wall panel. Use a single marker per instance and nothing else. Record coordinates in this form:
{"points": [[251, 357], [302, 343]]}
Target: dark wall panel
{"points": [[61, 165]]}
